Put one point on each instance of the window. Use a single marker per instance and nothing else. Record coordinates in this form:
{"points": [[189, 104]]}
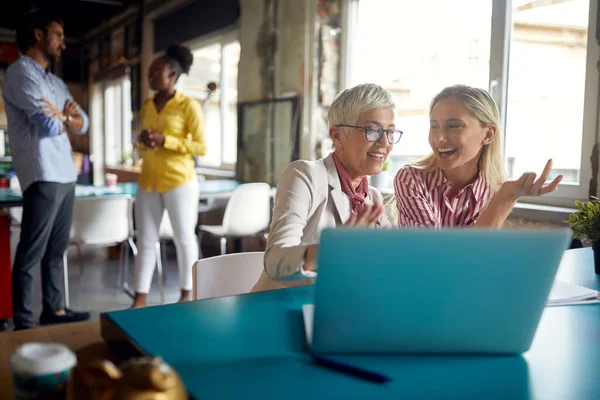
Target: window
{"points": [[216, 61], [546, 88], [117, 121], [418, 64], [111, 143], [537, 58]]}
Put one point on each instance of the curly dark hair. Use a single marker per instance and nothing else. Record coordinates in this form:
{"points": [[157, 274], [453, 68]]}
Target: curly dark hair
{"points": [[180, 58], [33, 20]]}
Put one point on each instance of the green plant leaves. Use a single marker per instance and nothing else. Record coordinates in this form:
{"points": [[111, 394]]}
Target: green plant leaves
{"points": [[585, 222]]}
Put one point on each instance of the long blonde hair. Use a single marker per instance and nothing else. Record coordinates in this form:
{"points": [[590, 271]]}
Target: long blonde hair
{"points": [[484, 108]]}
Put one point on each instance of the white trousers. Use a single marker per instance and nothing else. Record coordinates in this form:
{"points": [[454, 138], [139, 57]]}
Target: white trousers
{"points": [[182, 206]]}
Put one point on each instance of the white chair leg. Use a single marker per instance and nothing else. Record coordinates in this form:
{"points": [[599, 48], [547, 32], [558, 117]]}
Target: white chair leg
{"points": [[120, 266], [133, 246], [163, 258], [223, 245], [159, 270], [66, 279], [79, 258], [199, 247], [126, 287]]}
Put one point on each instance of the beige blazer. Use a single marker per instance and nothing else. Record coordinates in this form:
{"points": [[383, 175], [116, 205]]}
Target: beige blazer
{"points": [[309, 198]]}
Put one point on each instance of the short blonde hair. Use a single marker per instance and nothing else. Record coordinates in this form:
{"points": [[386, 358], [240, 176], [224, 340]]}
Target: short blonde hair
{"points": [[484, 108], [350, 103]]}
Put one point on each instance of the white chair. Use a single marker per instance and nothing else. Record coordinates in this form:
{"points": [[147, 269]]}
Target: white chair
{"points": [[15, 213], [248, 213], [16, 216], [101, 221], [226, 275]]}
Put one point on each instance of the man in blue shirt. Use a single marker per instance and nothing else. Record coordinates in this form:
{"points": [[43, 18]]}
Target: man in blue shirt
{"points": [[40, 111]]}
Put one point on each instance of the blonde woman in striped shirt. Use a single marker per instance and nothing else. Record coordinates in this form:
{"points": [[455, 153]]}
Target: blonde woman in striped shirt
{"points": [[462, 182]]}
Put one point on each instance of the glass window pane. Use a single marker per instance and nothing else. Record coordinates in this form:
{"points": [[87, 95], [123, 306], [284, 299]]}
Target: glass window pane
{"points": [[126, 139], [206, 69], [112, 124], [414, 53], [545, 110], [231, 58]]}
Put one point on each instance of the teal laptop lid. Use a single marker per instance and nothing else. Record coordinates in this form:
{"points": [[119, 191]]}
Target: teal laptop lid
{"points": [[433, 291]]}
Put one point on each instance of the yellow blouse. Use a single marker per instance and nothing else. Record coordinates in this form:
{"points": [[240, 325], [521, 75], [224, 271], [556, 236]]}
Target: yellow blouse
{"points": [[181, 122]]}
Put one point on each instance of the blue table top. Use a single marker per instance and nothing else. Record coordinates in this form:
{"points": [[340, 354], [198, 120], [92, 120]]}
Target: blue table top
{"points": [[253, 346], [209, 188]]}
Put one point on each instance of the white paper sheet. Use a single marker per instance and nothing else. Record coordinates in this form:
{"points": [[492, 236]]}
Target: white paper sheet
{"points": [[308, 311], [564, 293]]}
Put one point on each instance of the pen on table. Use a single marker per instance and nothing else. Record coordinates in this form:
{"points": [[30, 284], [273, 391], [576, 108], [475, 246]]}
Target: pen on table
{"points": [[351, 370]]}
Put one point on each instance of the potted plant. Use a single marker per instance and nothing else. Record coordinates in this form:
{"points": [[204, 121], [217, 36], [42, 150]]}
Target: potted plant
{"points": [[381, 180], [127, 158], [585, 225]]}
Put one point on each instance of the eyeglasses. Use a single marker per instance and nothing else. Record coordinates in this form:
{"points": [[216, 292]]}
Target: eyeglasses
{"points": [[373, 133]]}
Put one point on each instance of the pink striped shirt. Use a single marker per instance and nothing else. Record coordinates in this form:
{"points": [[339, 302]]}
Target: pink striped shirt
{"points": [[422, 199]]}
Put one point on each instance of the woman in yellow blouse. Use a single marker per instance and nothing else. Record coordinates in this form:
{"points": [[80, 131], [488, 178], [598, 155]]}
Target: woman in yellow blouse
{"points": [[172, 133]]}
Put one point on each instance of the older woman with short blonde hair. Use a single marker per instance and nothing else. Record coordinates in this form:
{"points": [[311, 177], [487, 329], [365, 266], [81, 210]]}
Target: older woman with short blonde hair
{"points": [[334, 191]]}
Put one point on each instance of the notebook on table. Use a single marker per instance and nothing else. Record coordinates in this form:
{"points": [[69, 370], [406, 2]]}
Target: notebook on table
{"points": [[565, 293], [455, 291]]}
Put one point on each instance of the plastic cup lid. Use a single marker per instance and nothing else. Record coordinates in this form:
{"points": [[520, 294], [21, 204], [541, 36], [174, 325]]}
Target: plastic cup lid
{"points": [[42, 358]]}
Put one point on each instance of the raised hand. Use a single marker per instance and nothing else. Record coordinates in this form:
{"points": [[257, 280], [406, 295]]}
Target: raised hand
{"points": [[527, 185], [367, 217]]}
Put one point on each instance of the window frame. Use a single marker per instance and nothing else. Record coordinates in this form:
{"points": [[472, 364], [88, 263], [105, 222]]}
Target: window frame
{"points": [[122, 86], [567, 192], [501, 31], [222, 37]]}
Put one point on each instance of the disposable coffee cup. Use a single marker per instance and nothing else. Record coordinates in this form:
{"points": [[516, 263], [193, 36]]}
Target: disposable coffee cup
{"points": [[43, 371], [111, 180]]}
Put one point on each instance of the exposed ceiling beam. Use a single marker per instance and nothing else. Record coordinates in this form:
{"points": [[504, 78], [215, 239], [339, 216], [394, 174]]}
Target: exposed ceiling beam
{"points": [[107, 2], [7, 35], [151, 8]]}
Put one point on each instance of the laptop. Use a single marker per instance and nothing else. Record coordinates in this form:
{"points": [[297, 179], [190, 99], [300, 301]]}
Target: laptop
{"points": [[456, 291]]}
